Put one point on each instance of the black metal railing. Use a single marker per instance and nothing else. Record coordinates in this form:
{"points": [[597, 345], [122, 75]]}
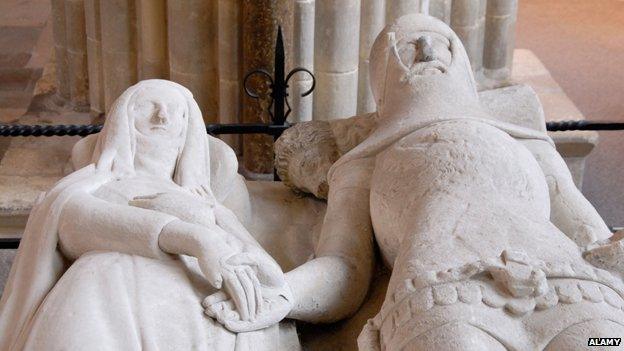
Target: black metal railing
{"points": [[25, 130], [274, 129]]}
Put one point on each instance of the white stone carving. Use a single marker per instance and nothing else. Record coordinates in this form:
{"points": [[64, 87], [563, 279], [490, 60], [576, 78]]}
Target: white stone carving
{"points": [[479, 218], [123, 252]]}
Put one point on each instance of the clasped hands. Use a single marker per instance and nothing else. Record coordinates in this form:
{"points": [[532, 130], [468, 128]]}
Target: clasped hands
{"points": [[253, 293]]}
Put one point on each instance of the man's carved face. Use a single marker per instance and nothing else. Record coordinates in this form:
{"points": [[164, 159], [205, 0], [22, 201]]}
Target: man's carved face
{"points": [[425, 53], [158, 112], [418, 58]]}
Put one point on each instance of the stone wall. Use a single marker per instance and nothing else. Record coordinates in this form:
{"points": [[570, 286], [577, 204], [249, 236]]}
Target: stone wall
{"points": [[103, 46]]}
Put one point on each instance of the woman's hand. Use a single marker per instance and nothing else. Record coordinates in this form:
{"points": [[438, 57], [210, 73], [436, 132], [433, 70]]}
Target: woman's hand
{"points": [[186, 206], [266, 300], [210, 245], [275, 308]]}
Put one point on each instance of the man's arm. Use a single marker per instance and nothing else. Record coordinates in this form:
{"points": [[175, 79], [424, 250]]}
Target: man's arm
{"points": [[570, 210], [333, 285]]}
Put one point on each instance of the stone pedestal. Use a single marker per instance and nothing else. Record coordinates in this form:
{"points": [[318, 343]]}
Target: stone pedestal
{"points": [[28, 167]]}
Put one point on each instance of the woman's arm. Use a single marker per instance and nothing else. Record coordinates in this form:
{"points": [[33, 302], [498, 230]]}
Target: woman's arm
{"points": [[334, 284], [88, 223], [229, 222]]}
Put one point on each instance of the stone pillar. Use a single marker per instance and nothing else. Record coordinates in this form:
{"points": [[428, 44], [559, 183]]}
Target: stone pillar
{"points": [[466, 22], [398, 8], [303, 56], [477, 66], [336, 58], [499, 38], [152, 39], [372, 21], [193, 51], [119, 59], [60, 48], [260, 21], [94, 55], [229, 48], [76, 39], [441, 9]]}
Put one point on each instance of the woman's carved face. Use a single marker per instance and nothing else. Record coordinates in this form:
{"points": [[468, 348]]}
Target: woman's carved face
{"points": [[158, 112]]}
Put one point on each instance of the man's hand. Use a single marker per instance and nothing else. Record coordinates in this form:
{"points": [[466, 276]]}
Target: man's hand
{"points": [[275, 307], [610, 255], [256, 294]]}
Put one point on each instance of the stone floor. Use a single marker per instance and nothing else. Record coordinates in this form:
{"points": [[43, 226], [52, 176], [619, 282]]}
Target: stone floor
{"points": [[581, 43]]}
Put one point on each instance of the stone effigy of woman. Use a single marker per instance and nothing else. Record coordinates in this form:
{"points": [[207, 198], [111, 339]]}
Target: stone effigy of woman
{"points": [[120, 254]]}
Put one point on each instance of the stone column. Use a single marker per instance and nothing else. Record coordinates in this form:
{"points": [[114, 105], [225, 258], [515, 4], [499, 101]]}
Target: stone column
{"points": [[76, 38], [152, 39], [94, 55], [260, 21], [303, 56], [478, 65], [229, 48], [336, 58], [466, 22], [398, 8], [441, 9], [60, 48], [372, 21], [193, 51], [499, 38], [119, 58]]}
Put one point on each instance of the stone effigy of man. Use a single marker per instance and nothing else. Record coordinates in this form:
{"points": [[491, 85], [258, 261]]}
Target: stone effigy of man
{"points": [[479, 219]]}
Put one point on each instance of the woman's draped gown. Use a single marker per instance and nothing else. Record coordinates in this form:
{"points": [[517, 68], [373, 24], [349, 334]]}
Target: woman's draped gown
{"points": [[110, 300]]}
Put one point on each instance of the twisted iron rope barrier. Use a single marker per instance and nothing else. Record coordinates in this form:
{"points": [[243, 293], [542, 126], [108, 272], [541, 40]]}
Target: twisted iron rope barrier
{"points": [[14, 130], [26, 130]]}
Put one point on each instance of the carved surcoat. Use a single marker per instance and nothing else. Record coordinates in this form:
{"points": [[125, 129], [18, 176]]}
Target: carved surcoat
{"points": [[461, 212]]}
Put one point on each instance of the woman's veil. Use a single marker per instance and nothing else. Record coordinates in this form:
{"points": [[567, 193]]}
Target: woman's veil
{"points": [[99, 159]]}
